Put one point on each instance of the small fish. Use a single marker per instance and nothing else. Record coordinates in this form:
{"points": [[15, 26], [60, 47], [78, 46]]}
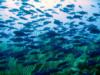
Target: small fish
{"points": [[52, 59], [57, 6], [92, 19], [17, 39], [19, 54], [69, 17], [96, 14], [23, 18], [57, 22], [66, 10], [3, 7], [48, 15], [51, 33], [83, 12], [63, 65], [39, 10], [82, 23], [46, 28], [4, 35], [93, 53], [37, 0], [71, 6], [46, 22], [77, 17], [93, 29], [14, 10], [20, 33]]}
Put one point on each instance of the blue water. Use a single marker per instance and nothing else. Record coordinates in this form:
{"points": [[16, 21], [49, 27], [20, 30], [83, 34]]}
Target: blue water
{"points": [[47, 37]]}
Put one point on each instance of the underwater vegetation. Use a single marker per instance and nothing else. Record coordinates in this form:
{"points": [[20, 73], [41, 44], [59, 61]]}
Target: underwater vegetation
{"points": [[39, 37]]}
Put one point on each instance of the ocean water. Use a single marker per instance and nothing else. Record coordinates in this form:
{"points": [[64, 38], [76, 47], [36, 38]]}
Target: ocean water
{"points": [[49, 37]]}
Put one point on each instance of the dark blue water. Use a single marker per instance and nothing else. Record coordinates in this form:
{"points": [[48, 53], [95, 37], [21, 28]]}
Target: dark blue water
{"points": [[49, 37]]}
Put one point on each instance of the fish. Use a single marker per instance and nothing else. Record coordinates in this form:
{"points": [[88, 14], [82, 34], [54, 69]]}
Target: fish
{"points": [[82, 12], [23, 18], [48, 15], [69, 17], [70, 5], [3, 7], [91, 19], [94, 53], [51, 33], [20, 33], [17, 39], [63, 65], [57, 22], [39, 10], [19, 54], [46, 22], [37, 0], [14, 10], [52, 59], [77, 17], [4, 35], [58, 5], [46, 28], [96, 14], [66, 10], [93, 29]]}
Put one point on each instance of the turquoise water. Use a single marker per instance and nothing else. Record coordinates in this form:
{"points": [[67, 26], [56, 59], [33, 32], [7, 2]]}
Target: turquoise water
{"points": [[48, 37]]}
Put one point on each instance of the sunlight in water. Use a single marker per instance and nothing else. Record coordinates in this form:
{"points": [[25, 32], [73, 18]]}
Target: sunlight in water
{"points": [[46, 4]]}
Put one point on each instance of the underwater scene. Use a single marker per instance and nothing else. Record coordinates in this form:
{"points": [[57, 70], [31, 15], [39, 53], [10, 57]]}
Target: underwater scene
{"points": [[49, 37]]}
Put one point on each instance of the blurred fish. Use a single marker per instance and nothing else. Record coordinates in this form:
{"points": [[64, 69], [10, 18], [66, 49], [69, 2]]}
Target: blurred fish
{"points": [[96, 14], [77, 17], [46, 28], [57, 6], [46, 22], [63, 65], [3, 7], [23, 18], [48, 15], [52, 59], [4, 35], [66, 10], [93, 29], [14, 10], [18, 39], [91, 19], [69, 17], [70, 5], [83, 12], [93, 53], [57, 22], [39, 10], [37, 0], [20, 33]]}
